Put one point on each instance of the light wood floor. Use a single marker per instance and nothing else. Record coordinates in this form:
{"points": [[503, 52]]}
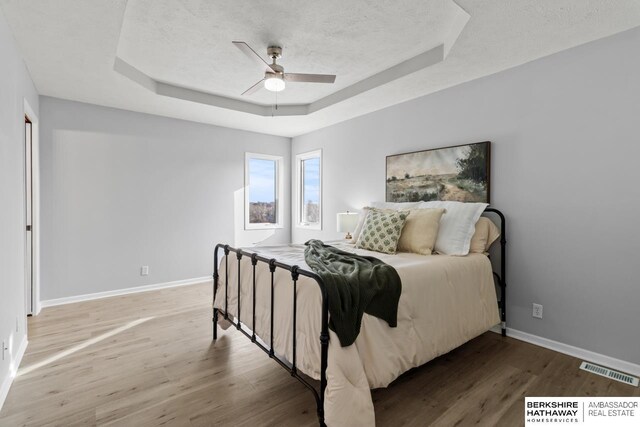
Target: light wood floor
{"points": [[166, 371]]}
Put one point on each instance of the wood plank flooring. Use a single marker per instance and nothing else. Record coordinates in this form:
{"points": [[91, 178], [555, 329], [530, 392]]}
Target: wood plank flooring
{"points": [[165, 371]]}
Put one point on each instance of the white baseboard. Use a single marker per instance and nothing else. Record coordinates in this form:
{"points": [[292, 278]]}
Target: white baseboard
{"points": [[125, 291], [13, 368], [580, 353]]}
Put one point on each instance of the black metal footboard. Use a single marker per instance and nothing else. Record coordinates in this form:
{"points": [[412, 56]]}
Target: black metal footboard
{"points": [[296, 272]]}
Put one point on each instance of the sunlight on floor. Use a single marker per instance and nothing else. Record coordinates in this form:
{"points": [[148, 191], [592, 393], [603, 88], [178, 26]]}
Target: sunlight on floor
{"points": [[28, 369]]}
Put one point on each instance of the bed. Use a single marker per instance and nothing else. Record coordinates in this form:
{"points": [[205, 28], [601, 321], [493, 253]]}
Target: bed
{"points": [[270, 295]]}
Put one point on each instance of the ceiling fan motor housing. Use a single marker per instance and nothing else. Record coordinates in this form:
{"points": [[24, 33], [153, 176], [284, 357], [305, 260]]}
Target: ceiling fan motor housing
{"points": [[274, 52]]}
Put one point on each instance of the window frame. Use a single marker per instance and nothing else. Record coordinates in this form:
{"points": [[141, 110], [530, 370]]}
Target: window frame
{"points": [[299, 202], [279, 178]]}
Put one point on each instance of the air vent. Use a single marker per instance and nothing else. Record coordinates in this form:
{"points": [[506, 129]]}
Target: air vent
{"points": [[609, 373]]}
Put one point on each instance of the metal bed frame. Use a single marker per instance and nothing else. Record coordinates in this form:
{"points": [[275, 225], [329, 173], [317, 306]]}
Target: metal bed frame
{"points": [[296, 272]]}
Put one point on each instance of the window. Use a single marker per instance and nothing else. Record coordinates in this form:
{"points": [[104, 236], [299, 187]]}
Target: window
{"points": [[309, 189], [263, 187]]}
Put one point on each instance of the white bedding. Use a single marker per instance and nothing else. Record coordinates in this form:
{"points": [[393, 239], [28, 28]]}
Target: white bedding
{"points": [[445, 302]]}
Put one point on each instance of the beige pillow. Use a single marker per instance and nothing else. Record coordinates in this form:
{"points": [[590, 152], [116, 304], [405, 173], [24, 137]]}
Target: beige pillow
{"points": [[420, 231], [486, 233]]}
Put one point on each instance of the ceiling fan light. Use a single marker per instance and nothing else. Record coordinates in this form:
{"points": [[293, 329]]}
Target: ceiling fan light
{"points": [[274, 83]]}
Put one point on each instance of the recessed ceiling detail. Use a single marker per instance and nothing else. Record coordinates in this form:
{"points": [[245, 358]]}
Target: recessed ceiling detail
{"points": [[153, 65], [407, 67], [171, 53]]}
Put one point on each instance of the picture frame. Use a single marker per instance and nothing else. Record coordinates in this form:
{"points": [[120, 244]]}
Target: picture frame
{"points": [[455, 173]]}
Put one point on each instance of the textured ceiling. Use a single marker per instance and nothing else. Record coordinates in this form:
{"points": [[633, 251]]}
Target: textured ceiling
{"points": [[188, 43], [70, 47]]}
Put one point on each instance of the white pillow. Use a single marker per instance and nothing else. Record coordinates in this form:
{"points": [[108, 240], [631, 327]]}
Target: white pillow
{"points": [[363, 216], [457, 226], [396, 206]]}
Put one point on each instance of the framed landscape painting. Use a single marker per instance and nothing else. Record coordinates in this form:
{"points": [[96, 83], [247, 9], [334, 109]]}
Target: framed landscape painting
{"points": [[459, 173]]}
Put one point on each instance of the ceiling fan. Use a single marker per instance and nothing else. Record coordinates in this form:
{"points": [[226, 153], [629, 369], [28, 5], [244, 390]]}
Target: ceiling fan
{"points": [[274, 75]]}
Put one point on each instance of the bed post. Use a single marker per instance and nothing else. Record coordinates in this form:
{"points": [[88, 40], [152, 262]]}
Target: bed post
{"points": [[216, 277], [502, 278], [239, 257], [503, 272], [294, 277], [503, 283], [254, 262], [272, 270], [226, 282], [324, 349]]}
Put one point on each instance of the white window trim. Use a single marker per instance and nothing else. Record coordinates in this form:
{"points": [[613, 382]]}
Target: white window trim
{"points": [[279, 192], [298, 199]]}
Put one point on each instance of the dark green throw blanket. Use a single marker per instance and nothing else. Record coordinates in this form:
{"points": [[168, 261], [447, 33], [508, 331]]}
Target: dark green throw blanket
{"points": [[355, 285]]}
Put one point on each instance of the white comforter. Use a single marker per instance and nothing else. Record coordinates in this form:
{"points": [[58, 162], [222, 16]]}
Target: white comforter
{"points": [[445, 302]]}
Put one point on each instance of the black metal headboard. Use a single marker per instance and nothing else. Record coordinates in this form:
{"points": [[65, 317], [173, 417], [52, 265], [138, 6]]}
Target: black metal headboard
{"points": [[501, 276]]}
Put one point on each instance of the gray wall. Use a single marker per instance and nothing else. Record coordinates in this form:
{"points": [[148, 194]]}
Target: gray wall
{"points": [[15, 87], [566, 144], [122, 189]]}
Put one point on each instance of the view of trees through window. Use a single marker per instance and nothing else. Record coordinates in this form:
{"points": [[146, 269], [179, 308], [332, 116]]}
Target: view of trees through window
{"points": [[310, 194], [262, 191]]}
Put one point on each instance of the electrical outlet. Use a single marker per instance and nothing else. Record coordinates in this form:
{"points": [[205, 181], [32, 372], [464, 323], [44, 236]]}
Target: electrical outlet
{"points": [[144, 270], [537, 311]]}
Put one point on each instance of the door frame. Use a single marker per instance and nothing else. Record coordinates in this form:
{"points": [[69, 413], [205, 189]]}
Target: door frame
{"points": [[35, 204]]}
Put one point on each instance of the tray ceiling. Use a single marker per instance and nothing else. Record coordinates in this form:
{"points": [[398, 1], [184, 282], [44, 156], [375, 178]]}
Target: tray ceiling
{"points": [[175, 58]]}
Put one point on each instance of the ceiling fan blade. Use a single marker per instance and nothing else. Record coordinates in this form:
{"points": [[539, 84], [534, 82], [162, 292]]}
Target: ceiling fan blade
{"points": [[310, 78], [246, 49], [254, 88]]}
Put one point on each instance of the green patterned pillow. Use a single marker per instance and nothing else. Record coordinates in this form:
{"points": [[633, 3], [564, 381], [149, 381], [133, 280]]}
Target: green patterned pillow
{"points": [[381, 231]]}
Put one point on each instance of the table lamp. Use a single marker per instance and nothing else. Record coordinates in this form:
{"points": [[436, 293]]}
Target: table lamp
{"points": [[347, 222]]}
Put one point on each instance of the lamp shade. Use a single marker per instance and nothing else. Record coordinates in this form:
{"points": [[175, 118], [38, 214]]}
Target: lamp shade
{"points": [[347, 221]]}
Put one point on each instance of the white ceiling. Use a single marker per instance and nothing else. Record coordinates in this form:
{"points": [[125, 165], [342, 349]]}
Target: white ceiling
{"points": [[188, 43], [71, 46]]}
